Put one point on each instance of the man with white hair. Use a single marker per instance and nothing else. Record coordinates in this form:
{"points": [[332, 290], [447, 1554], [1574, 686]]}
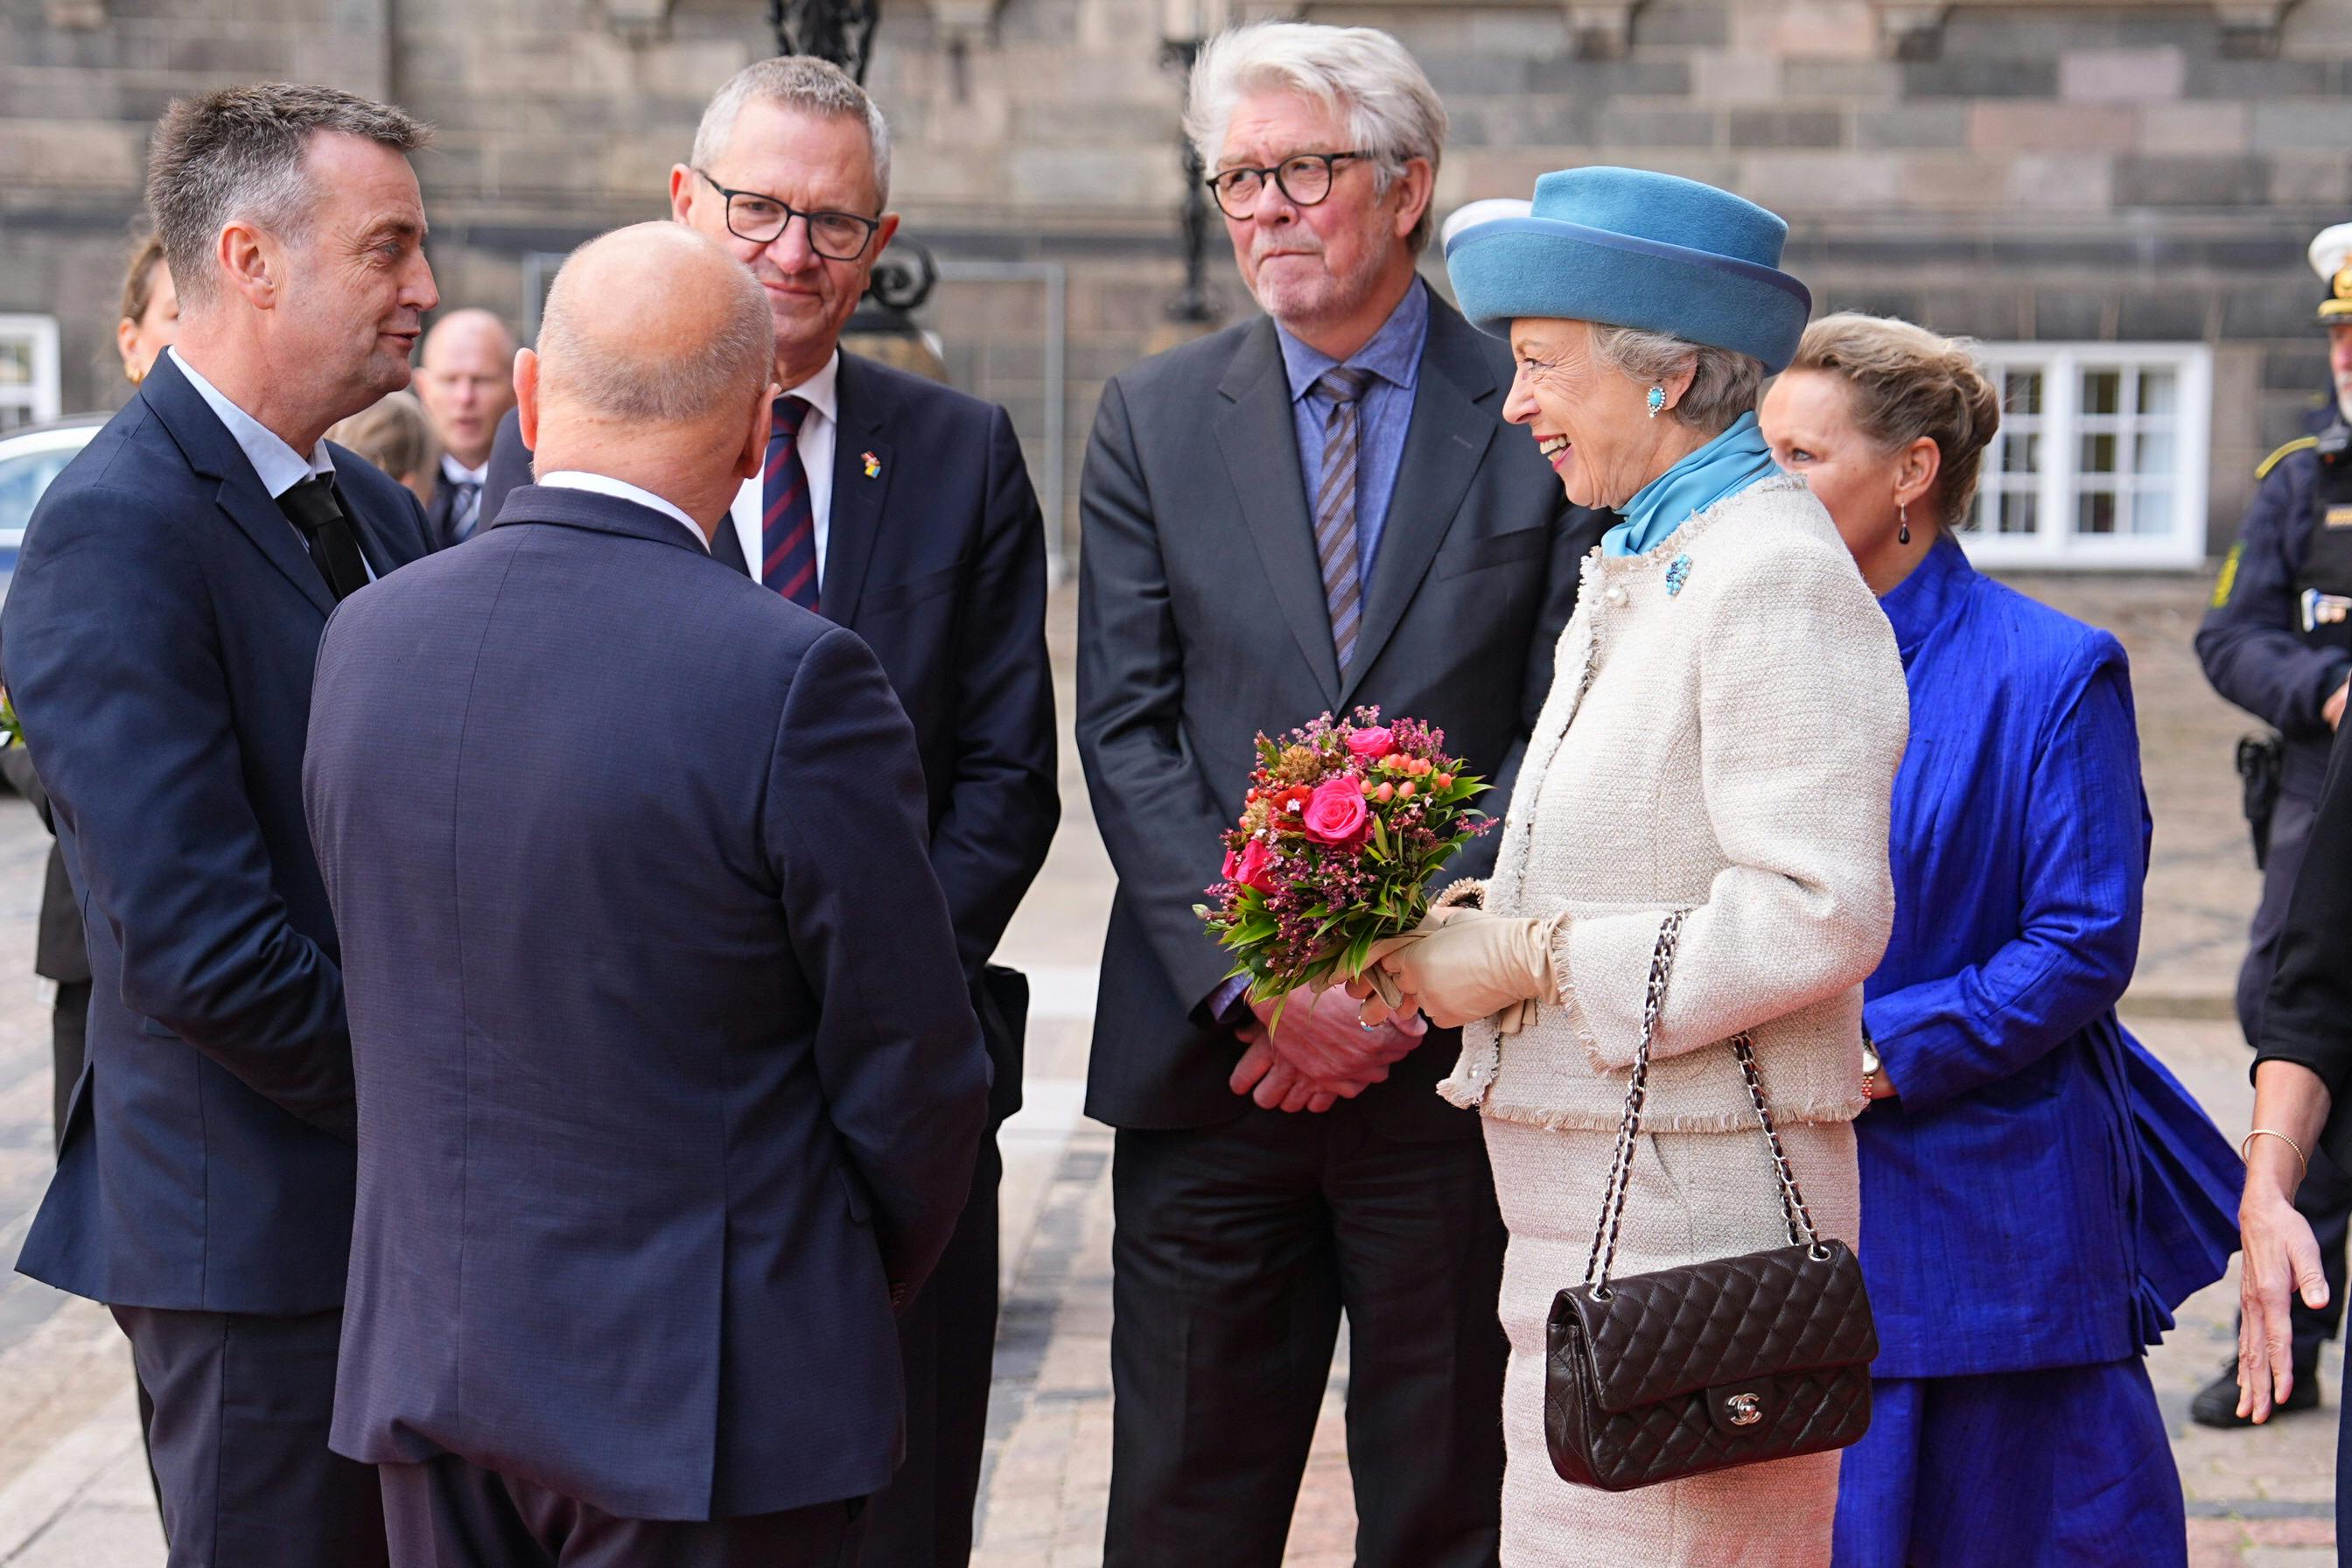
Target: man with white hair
{"points": [[1402, 549], [160, 637], [464, 378], [664, 1059], [902, 510]]}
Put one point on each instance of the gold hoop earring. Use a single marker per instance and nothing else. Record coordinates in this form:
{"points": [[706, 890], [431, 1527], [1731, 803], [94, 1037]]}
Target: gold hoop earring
{"points": [[1903, 522]]}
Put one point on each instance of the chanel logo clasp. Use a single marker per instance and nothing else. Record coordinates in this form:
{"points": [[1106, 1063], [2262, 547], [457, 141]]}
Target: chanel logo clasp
{"points": [[1743, 1409]]}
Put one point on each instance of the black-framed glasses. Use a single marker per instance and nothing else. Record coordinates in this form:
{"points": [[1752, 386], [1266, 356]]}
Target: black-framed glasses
{"points": [[759, 217], [1303, 178]]}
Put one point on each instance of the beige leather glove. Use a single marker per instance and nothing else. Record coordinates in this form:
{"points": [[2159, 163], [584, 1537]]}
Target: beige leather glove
{"points": [[1476, 966]]}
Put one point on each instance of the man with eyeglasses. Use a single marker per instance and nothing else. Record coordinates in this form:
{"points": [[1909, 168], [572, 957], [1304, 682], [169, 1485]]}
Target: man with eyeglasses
{"points": [[902, 510], [1314, 511]]}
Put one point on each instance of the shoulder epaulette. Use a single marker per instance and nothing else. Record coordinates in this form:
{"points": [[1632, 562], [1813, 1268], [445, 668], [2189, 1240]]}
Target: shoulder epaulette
{"points": [[2300, 443]]}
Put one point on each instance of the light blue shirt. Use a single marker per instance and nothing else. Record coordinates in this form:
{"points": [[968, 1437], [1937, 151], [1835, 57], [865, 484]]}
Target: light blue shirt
{"points": [[1385, 413], [278, 464], [280, 467]]}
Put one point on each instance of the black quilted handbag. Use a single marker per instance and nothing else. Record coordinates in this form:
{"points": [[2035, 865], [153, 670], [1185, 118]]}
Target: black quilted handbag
{"points": [[1700, 1368]]}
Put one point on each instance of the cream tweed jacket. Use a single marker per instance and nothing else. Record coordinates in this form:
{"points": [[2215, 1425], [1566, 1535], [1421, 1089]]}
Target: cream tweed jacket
{"points": [[1721, 737]]}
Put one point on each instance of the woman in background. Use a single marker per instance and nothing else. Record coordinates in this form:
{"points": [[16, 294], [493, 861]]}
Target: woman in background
{"points": [[150, 310], [392, 434], [2037, 1195]]}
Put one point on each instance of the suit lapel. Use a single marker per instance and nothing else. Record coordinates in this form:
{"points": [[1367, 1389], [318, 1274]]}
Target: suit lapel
{"points": [[213, 452], [1259, 440], [857, 518], [1453, 425]]}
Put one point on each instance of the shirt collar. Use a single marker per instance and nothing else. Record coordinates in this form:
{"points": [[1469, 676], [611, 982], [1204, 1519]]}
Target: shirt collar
{"points": [[456, 473], [822, 392], [1393, 354], [279, 466], [621, 490], [1920, 603]]}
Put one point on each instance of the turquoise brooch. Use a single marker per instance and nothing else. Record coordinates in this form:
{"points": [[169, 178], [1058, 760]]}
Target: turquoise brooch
{"points": [[1677, 573]]}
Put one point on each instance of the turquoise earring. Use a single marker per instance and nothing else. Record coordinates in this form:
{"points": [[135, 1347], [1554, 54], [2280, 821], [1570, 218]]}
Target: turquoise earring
{"points": [[1658, 400]]}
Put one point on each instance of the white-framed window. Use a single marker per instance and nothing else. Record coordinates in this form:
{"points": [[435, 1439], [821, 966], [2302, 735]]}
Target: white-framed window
{"points": [[2101, 457], [28, 370]]}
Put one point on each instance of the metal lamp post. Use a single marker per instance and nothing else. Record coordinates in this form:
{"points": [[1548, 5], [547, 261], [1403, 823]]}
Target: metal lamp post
{"points": [[842, 31], [1186, 27]]}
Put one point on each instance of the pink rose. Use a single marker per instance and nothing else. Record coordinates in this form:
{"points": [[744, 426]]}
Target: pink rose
{"points": [[1369, 743], [1249, 867], [1335, 815]]}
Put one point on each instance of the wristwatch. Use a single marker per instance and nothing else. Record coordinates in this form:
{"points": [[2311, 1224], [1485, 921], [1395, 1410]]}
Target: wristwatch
{"points": [[1871, 1068]]}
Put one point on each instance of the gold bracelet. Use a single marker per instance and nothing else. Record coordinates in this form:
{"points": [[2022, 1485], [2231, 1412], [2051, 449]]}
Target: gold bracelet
{"points": [[2305, 1160]]}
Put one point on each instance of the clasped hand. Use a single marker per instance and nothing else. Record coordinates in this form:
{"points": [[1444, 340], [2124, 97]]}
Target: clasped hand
{"points": [[1320, 1053]]}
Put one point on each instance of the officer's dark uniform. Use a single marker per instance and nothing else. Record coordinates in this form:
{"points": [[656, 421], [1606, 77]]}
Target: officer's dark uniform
{"points": [[2277, 641]]}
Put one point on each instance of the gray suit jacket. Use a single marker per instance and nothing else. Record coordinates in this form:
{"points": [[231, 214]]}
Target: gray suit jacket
{"points": [[1202, 621]]}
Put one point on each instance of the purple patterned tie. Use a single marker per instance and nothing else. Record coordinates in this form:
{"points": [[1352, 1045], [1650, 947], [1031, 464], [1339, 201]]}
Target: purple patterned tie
{"points": [[1343, 387], [788, 519]]}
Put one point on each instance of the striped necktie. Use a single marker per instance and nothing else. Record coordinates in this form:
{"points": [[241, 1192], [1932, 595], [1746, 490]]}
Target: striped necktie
{"points": [[465, 508], [1334, 507], [788, 519]]}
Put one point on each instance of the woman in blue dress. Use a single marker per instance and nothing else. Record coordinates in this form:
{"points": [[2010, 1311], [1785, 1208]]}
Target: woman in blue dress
{"points": [[2037, 1193]]}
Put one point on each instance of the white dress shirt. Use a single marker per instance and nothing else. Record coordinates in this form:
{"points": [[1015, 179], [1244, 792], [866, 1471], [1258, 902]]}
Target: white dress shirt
{"points": [[605, 485], [820, 431], [279, 466]]}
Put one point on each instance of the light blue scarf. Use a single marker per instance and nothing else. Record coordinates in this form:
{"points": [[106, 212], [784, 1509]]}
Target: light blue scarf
{"points": [[1724, 466]]}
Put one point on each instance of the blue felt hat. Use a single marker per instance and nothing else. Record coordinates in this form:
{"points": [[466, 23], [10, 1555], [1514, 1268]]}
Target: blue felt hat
{"points": [[1630, 248]]}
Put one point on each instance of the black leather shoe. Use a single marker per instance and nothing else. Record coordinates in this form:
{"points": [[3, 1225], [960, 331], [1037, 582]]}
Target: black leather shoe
{"points": [[2216, 1403]]}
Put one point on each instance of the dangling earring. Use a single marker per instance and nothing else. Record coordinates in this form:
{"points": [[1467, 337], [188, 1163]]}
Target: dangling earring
{"points": [[1658, 400], [1902, 523], [136, 374]]}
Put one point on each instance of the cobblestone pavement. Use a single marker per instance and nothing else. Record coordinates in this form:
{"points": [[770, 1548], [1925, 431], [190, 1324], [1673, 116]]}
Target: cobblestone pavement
{"points": [[73, 1494]]}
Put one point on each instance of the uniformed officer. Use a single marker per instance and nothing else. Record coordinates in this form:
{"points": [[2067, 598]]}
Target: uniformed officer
{"points": [[2278, 643]]}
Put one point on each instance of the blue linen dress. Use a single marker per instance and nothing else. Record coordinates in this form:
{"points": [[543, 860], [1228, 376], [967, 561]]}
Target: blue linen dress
{"points": [[2040, 1194]]}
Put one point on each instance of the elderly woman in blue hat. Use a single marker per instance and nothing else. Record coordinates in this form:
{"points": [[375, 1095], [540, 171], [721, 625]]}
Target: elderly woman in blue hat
{"points": [[1725, 722]]}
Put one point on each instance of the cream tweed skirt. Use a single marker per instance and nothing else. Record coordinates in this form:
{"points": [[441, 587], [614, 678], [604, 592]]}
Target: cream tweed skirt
{"points": [[1695, 1196]]}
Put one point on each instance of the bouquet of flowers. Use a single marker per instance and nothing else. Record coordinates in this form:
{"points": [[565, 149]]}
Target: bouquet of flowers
{"points": [[1344, 827]]}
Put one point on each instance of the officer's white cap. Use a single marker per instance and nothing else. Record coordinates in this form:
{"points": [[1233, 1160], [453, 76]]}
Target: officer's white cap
{"points": [[2330, 249]]}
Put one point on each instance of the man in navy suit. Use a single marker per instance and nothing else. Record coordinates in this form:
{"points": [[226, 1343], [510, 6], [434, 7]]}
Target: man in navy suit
{"points": [[901, 509], [159, 640], [669, 1085]]}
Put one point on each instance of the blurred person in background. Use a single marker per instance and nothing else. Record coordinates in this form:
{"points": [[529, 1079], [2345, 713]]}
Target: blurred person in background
{"points": [[150, 310], [464, 378], [2037, 1193], [396, 436], [2277, 641]]}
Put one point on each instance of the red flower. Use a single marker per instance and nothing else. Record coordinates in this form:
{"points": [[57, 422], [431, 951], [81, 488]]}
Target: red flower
{"points": [[1368, 744], [1290, 807], [1252, 867]]}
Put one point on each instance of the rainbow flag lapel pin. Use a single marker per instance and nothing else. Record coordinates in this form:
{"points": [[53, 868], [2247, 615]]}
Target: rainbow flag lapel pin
{"points": [[873, 465]]}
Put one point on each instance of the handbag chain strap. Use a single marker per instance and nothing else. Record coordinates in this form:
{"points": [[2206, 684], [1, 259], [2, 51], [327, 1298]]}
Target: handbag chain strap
{"points": [[1799, 1217]]}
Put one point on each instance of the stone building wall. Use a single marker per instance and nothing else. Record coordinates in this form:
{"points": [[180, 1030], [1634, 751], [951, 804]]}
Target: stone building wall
{"points": [[2040, 171]]}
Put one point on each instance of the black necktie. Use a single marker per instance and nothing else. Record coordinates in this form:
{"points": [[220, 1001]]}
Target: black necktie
{"points": [[312, 507]]}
